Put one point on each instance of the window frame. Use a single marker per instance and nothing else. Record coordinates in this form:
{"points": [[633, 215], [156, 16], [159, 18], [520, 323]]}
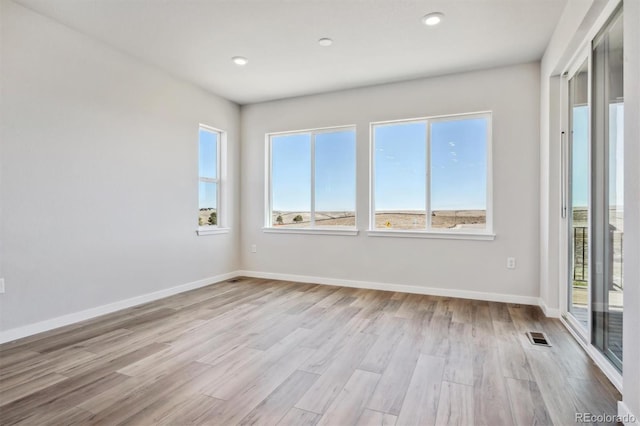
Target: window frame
{"points": [[219, 228], [428, 231], [312, 229]]}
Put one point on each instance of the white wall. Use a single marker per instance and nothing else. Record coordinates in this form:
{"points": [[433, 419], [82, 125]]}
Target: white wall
{"points": [[99, 174], [512, 93]]}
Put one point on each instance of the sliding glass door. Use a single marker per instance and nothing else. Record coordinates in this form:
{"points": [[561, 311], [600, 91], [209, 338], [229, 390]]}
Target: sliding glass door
{"points": [[607, 191], [594, 197]]}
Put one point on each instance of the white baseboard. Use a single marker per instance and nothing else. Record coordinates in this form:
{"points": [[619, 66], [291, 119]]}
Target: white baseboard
{"points": [[626, 416], [50, 324], [548, 312], [403, 288], [53, 323]]}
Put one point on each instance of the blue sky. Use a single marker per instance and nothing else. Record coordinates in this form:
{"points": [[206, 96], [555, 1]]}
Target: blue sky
{"points": [[458, 163], [400, 165], [580, 157], [207, 166], [291, 172], [335, 171]]}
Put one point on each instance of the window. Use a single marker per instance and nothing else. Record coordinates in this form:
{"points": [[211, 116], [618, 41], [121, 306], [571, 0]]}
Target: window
{"points": [[432, 175], [312, 181], [209, 144]]}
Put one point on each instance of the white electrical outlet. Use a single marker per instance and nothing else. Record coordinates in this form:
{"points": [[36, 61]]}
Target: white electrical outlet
{"points": [[1, 285], [254, 248], [511, 263]]}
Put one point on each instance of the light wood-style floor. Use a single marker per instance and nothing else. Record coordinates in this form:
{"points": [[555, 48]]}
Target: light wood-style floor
{"points": [[273, 352]]}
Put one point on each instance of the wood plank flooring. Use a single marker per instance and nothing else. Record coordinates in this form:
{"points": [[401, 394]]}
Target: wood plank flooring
{"points": [[259, 352]]}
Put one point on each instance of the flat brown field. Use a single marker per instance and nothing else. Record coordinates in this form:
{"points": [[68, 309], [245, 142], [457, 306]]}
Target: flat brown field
{"points": [[322, 219], [440, 219]]}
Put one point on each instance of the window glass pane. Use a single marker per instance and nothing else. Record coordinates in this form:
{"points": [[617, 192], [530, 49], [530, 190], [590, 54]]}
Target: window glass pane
{"points": [[208, 200], [291, 180], [579, 195], [459, 174], [335, 183], [400, 176], [607, 192], [208, 164]]}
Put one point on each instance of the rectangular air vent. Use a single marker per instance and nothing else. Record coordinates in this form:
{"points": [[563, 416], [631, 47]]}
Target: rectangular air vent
{"points": [[538, 338]]}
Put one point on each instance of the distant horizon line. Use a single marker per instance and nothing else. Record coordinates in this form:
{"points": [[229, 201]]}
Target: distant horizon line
{"points": [[378, 211]]}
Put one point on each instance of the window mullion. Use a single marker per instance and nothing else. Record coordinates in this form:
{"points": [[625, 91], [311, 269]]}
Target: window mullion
{"points": [[313, 179]]}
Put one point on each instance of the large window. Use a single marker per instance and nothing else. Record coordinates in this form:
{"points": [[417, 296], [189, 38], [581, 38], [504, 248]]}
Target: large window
{"points": [[432, 174], [312, 182], [210, 141]]}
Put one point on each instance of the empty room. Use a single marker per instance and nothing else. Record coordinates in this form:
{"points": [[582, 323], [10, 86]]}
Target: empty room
{"points": [[319, 212]]}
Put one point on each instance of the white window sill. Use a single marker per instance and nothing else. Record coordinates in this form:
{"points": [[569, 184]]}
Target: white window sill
{"points": [[212, 230], [431, 234], [317, 231]]}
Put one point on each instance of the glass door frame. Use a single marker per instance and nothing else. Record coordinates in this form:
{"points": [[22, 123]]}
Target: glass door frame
{"points": [[577, 62], [603, 23]]}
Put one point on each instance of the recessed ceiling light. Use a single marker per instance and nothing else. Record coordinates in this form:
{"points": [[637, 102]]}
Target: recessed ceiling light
{"points": [[325, 42], [432, 19], [240, 60]]}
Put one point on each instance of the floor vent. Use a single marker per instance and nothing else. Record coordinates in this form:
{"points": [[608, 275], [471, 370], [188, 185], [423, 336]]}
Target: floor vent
{"points": [[233, 280], [538, 338]]}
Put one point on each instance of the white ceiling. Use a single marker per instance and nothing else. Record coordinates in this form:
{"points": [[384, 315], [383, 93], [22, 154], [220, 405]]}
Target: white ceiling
{"points": [[375, 41]]}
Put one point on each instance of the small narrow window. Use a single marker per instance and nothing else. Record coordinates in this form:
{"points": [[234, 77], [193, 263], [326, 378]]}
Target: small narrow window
{"points": [[210, 141]]}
